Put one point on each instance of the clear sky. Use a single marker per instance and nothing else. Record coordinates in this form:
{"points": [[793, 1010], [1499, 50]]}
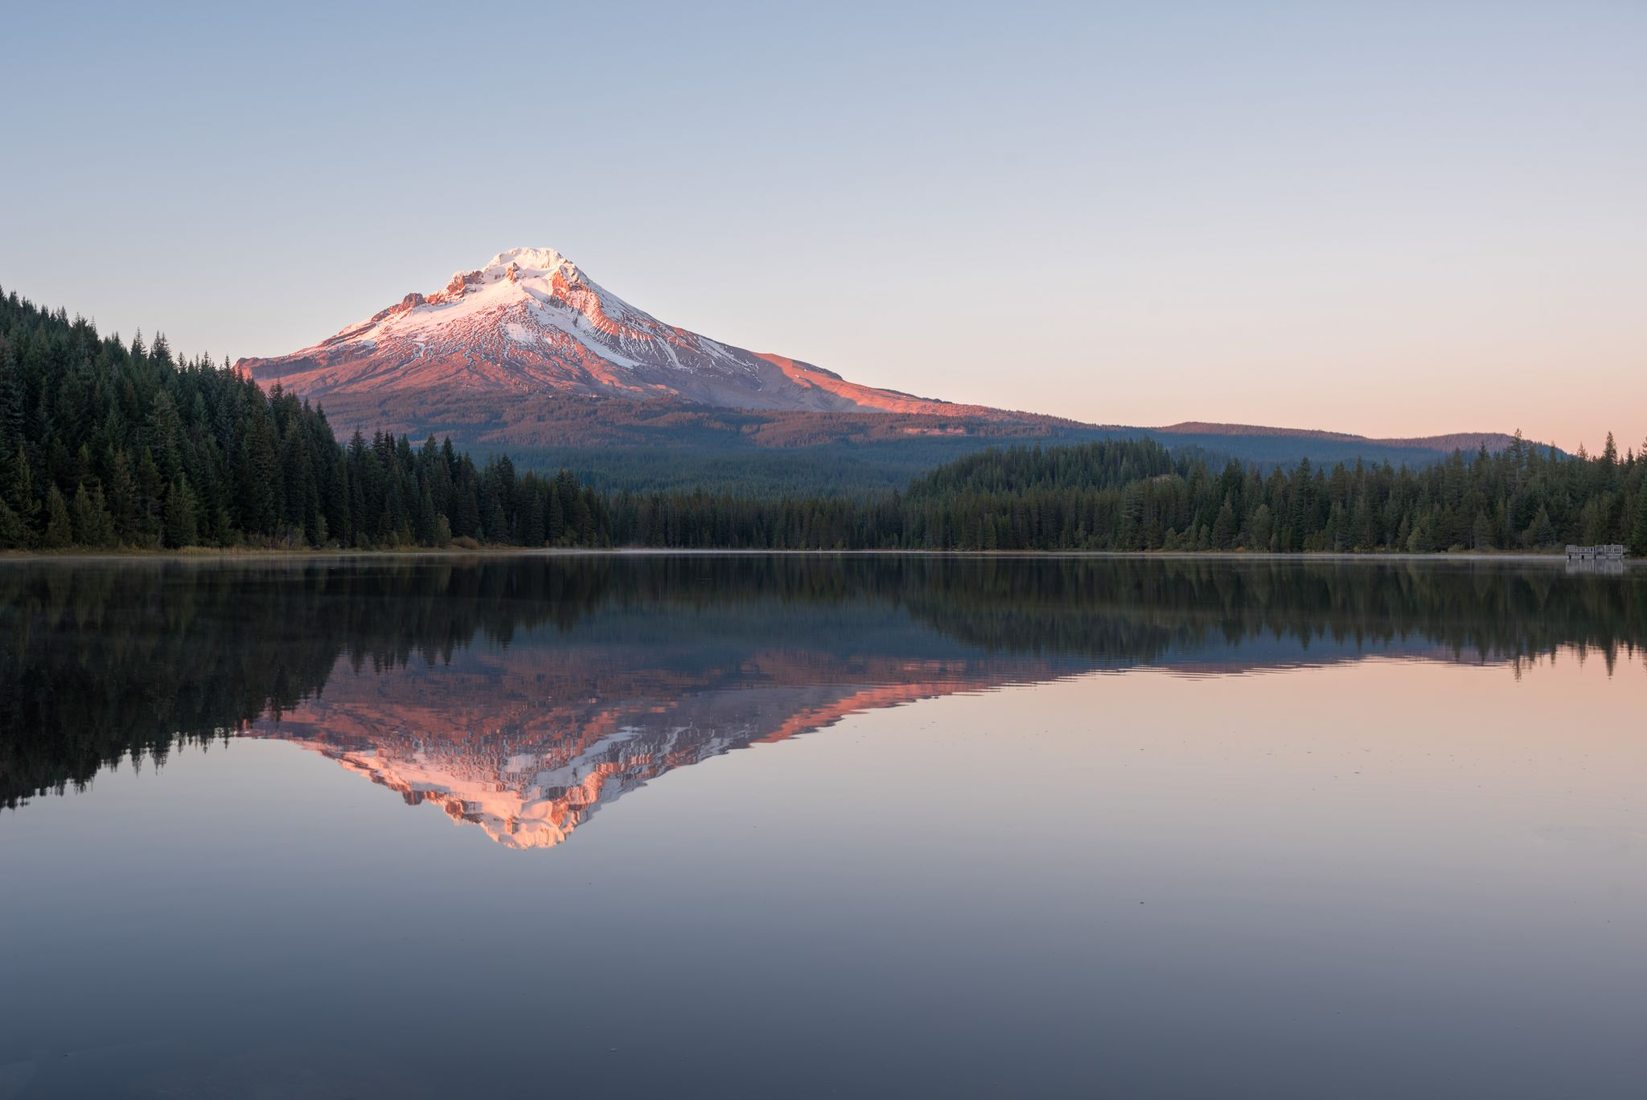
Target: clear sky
{"points": [[1390, 218]]}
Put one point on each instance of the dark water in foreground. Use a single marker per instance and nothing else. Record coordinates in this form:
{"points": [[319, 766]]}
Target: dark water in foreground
{"points": [[422, 827]]}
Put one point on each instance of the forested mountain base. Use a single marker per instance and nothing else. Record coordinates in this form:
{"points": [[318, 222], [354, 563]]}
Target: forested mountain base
{"points": [[1136, 495], [104, 444]]}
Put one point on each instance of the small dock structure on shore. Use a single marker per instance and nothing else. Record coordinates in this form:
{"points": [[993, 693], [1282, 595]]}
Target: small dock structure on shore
{"points": [[1610, 552]]}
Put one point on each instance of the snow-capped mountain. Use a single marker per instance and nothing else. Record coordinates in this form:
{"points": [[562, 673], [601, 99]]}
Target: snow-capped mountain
{"points": [[527, 352], [530, 322]]}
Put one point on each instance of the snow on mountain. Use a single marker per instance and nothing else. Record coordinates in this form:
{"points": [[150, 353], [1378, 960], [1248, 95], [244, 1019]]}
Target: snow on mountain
{"points": [[531, 322], [528, 351]]}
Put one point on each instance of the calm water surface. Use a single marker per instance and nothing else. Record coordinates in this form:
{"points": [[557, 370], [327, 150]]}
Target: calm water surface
{"points": [[822, 826]]}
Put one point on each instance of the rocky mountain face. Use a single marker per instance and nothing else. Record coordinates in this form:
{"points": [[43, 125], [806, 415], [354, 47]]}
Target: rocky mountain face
{"points": [[530, 322], [528, 353]]}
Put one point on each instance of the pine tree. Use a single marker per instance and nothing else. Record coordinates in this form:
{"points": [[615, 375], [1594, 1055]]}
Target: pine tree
{"points": [[1258, 528], [89, 517], [181, 520], [259, 477], [11, 399], [1542, 531], [59, 530], [18, 490], [123, 502], [555, 521], [163, 435], [14, 533], [1223, 528], [532, 531], [1481, 532]]}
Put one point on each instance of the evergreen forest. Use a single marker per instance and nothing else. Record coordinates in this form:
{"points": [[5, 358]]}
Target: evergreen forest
{"points": [[108, 444]]}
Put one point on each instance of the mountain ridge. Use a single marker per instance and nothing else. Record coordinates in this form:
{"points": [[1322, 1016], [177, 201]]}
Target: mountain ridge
{"points": [[530, 321], [1448, 441], [527, 353]]}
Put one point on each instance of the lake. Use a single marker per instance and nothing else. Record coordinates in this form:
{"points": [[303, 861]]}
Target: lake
{"points": [[852, 826]]}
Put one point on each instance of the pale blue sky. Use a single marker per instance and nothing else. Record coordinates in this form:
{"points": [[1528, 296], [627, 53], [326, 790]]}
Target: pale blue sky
{"points": [[1392, 218]]}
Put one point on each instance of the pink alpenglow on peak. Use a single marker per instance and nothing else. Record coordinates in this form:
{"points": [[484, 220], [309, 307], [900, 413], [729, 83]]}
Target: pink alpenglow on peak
{"points": [[530, 322], [527, 351]]}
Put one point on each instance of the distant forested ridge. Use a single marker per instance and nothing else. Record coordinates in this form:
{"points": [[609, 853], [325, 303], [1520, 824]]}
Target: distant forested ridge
{"points": [[1136, 495], [107, 444]]}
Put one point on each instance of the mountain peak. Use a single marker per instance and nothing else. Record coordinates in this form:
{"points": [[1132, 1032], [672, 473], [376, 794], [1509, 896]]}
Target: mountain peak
{"points": [[529, 261], [531, 323], [545, 267]]}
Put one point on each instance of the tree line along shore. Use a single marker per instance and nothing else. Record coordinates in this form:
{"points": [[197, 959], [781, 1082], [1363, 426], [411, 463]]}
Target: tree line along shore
{"points": [[106, 444]]}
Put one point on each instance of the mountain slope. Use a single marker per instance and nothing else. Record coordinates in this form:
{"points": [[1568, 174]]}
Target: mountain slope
{"points": [[528, 355], [531, 323]]}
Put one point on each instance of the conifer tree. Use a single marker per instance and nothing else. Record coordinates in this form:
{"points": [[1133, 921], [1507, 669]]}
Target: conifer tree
{"points": [[89, 518], [18, 488], [59, 530], [181, 519], [14, 533]]}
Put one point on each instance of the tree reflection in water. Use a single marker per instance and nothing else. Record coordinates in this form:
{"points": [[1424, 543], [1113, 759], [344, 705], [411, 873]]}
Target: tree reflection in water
{"points": [[520, 693]]}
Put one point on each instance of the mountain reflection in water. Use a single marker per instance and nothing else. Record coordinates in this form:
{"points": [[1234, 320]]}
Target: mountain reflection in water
{"points": [[521, 694]]}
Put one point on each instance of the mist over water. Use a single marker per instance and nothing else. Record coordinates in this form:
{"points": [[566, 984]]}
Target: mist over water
{"points": [[820, 825]]}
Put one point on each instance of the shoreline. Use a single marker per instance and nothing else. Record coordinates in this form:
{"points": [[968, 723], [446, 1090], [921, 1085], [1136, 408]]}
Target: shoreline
{"points": [[306, 554]]}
